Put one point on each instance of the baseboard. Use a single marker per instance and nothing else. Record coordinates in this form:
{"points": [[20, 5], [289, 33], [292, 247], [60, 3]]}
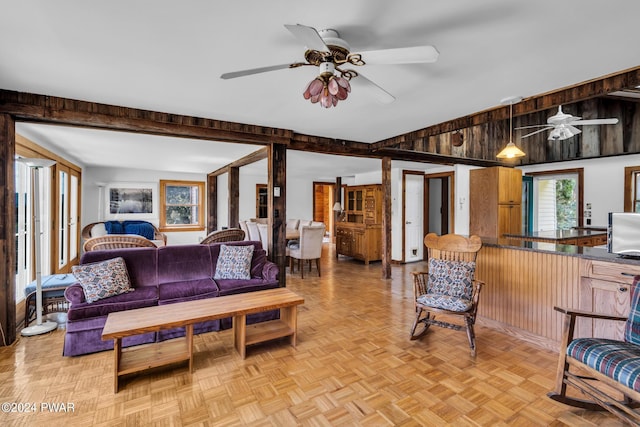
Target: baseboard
{"points": [[537, 340]]}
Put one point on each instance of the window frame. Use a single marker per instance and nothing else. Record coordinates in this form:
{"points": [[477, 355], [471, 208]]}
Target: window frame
{"points": [[576, 171], [630, 174], [200, 205]]}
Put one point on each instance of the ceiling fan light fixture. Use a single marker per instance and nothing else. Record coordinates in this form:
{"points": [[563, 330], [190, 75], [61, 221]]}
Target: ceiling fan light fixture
{"points": [[328, 88]]}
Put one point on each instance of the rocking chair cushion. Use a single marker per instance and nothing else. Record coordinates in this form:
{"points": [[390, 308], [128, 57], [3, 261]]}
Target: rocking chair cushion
{"points": [[451, 278], [445, 302], [616, 359]]}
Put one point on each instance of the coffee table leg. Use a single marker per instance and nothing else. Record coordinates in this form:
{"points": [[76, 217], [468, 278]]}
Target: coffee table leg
{"points": [[289, 315], [117, 351], [189, 337], [240, 334]]}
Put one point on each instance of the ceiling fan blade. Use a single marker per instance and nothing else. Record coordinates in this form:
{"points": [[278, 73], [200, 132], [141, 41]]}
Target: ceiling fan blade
{"points": [[402, 55], [308, 36], [364, 83], [594, 122], [533, 126], [243, 73], [538, 131]]}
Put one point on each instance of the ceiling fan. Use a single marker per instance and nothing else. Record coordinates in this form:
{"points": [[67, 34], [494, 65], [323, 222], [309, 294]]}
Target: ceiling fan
{"points": [[563, 125], [327, 51]]}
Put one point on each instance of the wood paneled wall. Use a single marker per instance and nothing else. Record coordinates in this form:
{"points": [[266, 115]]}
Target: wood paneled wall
{"points": [[522, 287]]}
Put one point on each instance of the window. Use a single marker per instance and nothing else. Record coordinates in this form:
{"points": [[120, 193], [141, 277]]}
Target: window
{"points": [[181, 206], [632, 189], [556, 200]]}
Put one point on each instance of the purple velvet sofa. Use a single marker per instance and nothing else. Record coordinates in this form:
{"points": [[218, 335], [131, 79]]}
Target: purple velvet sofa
{"points": [[161, 276]]}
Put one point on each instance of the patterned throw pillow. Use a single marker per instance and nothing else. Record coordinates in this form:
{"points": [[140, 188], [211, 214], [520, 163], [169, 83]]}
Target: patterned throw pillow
{"points": [[103, 279], [234, 262], [451, 278]]}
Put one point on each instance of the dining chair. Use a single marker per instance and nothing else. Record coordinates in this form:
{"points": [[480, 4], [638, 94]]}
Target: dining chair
{"points": [[308, 247]]}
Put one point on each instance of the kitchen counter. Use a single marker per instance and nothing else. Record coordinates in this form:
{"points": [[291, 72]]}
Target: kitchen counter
{"points": [[586, 252], [574, 236]]}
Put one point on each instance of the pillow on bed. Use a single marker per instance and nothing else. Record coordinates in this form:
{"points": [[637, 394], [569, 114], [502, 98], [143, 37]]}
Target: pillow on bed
{"points": [[234, 262], [103, 279]]}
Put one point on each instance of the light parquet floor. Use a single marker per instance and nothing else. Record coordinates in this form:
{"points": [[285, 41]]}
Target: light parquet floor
{"points": [[354, 365]]}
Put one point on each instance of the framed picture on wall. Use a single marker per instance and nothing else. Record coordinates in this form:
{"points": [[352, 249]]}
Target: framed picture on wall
{"points": [[131, 201]]}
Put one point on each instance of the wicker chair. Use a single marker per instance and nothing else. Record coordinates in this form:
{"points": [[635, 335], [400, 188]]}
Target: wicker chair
{"points": [[449, 287], [86, 232], [228, 235], [117, 241]]}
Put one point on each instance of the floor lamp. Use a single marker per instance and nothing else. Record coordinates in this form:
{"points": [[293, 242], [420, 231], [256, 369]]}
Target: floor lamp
{"points": [[47, 326]]}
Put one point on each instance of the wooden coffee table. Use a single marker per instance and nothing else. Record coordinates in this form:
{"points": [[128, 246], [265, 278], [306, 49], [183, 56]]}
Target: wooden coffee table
{"points": [[152, 319]]}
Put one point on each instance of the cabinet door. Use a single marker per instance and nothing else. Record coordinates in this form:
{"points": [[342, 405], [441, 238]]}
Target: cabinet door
{"points": [[509, 219], [359, 244], [509, 186], [602, 296], [344, 242]]}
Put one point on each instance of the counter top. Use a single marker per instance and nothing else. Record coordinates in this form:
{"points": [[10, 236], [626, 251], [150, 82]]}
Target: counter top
{"points": [[586, 252], [559, 235]]}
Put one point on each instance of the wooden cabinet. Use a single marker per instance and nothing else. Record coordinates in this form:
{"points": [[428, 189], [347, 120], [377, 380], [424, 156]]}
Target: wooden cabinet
{"points": [[605, 287], [360, 236], [495, 197], [360, 241]]}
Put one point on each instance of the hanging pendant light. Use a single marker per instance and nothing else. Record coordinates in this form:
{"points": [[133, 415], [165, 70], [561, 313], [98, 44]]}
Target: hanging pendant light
{"points": [[510, 151]]}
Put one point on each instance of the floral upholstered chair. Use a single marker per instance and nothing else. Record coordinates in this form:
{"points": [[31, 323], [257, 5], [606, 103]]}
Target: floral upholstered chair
{"points": [[589, 363], [449, 286]]}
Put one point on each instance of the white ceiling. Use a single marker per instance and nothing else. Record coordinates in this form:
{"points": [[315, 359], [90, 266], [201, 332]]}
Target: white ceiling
{"points": [[168, 56]]}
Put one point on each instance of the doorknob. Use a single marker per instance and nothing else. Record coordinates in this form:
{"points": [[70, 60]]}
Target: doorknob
{"points": [[408, 222]]}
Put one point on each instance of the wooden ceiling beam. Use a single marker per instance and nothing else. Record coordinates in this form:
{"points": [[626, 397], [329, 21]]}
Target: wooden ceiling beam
{"points": [[69, 112], [244, 161], [582, 91]]}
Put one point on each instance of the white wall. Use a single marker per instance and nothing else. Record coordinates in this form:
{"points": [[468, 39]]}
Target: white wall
{"points": [[91, 203], [603, 182], [461, 216]]}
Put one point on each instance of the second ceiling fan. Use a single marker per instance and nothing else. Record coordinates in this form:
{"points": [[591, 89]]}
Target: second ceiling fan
{"points": [[563, 125], [327, 51]]}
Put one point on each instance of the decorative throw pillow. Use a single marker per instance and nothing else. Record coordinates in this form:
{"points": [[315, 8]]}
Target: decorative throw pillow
{"points": [[452, 278], [103, 279], [234, 262]]}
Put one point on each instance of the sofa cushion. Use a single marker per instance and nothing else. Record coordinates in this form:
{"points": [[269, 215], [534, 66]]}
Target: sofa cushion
{"points": [[103, 279], [145, 296], [186, 289], [141, 263], [235, 286], [181, 263], [234, 262], [114, 227], [141, 228]]}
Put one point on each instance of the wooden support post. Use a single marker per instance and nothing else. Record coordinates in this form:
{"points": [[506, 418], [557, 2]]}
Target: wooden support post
{"points": [[338, 199], [7, 229], [234, 197], [386, 217], [277, 202], [212, 203]]}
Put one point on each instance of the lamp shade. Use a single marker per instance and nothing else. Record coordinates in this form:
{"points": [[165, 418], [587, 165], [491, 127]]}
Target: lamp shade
{"points": [[337, 207], [510, 152]]}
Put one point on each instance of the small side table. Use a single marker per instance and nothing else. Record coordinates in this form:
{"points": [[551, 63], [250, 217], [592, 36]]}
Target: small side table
{"points": [[53, 300]]}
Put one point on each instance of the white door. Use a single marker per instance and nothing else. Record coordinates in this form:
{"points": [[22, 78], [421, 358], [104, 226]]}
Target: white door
{"points": [[413, 214]]}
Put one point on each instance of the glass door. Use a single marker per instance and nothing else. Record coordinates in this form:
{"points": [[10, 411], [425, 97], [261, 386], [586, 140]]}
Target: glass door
{"points": [[66, 219]]}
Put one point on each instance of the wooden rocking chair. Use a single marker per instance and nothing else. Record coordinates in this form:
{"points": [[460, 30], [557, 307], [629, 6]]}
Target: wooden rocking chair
{"points": [[589, 363], [449, 287]]}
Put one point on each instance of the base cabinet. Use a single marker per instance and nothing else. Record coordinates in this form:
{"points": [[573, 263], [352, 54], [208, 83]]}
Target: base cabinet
{"points": [[605, 287], [360, 241]]}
